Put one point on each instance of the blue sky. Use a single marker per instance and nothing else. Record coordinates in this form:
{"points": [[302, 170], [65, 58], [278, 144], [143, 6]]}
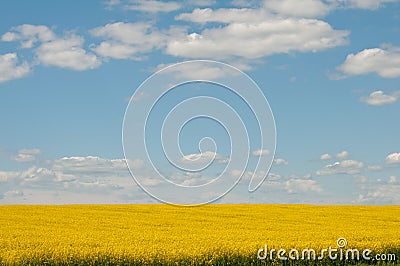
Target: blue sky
{"points": [[329, 69]]}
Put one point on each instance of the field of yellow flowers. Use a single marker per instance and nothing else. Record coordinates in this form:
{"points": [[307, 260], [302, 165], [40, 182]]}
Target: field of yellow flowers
{"points": [[207, 235]]}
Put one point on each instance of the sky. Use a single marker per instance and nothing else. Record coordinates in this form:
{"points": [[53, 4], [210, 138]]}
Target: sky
{"points": [[329, 70]]}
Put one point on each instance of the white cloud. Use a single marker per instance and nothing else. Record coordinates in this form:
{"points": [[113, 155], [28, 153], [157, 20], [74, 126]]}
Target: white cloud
{"points": [[9, 68], [261, 36], [280, 161], [248, 175], [292, 184], [13, 194], [91, 176], [272, 177], [190, 178], [202, 2], [35, 177], [127, 40], [302, 186], [393, 158], [378, 191], [384, 62], [363, 4], [343, 167], [28, 35], [30, 151], [87, 179], [52, 50], [138, 96], [260, 152], [298, 8], [201, 158], [156, 6], [380, 98], [110, 4], [342, 155], [152, 6], [91, 164], [8, 176], [116, 50], [236, 173], [245, 3], [325, 156], [198, 71], [23, 158], [67, 52], [374, 168], [225, 15], [26, 155], [135, 164], [320, 8]]}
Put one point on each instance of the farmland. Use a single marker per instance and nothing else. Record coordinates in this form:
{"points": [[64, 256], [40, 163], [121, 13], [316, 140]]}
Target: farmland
{"points": [[206, 235]]}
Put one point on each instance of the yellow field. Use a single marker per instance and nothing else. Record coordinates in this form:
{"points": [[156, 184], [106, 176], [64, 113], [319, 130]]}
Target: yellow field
{"points": [[147, 233]]}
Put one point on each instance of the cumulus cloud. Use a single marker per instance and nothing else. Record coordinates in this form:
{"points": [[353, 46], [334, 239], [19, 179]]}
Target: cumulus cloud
{"points": [[250, 34], [152, 6], [79, 175], [225, 15], [155, 6], [88, 169], [290, 184], [103, 180], [128, 40], [244, 35], [198, 71], [28, 35], [342, 167], [23, 158], [379, 191], [325, 156], [380, 98], [248, 175], [201, 158], [374, 168], [383, 61], [110, 4], [393, 158], [10, 69], [92, 165], [320, 8], [67, 52], [260, 152], [26, 155], [302, 186], [202, 2], [362, 4], [235, 34], [298, 8], [342, 155], [190, 178], [280, 161], [13, 194], [30, 151], [245, 3], [64, 51], [8, 176]]}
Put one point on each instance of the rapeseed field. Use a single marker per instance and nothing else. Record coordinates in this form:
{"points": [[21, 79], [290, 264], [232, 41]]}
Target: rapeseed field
{"points": [[217, 234]]}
